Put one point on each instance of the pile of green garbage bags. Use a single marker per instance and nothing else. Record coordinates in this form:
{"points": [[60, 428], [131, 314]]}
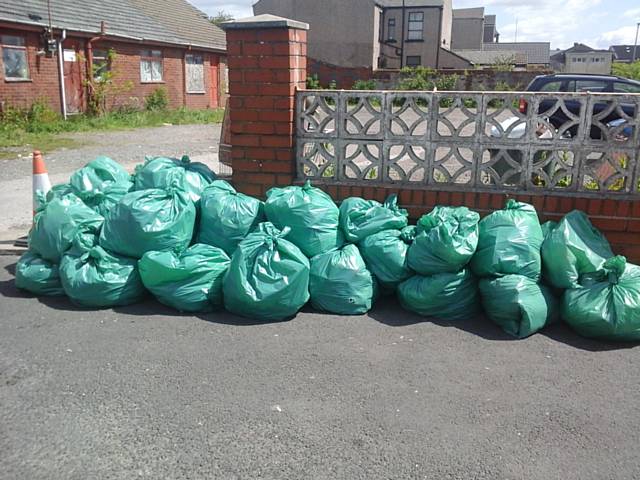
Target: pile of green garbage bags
{"points": [[176, 232]]}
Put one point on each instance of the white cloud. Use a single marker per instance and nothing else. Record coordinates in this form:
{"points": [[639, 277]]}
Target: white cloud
{"points": [[621, 36], [633, 14]]}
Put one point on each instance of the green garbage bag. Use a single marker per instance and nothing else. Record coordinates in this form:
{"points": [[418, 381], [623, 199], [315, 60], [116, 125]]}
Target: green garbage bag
{"points": [[509, 242], [450, 296], [97, 278], [311, 215], [340, 283], [268, 278], [149, 220], [446, 240], [547, 228], [573, 248], [97, 175], [104, 201], [38, 276], [190, 281], [607, 304], [518, 304], [360, 218], [385, 254], [161, 172], [56, 224], [57, 191], [226, 216]]}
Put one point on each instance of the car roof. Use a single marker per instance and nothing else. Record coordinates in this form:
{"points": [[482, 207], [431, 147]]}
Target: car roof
{"points": [[586, 76]]}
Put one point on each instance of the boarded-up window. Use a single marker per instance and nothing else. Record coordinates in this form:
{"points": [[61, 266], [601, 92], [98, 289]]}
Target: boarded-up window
{"points": [[150, 66], [14, 58], [194, 73]]}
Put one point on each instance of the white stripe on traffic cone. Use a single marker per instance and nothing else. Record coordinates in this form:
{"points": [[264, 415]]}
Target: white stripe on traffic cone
{"points": [[41, 182]]}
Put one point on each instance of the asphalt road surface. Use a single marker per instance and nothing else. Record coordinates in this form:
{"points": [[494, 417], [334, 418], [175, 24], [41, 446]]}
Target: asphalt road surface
{"points": [[143, 392]]}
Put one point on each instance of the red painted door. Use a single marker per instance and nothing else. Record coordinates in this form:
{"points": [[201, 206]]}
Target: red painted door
{"points": [[215, 81], [72, 76]]}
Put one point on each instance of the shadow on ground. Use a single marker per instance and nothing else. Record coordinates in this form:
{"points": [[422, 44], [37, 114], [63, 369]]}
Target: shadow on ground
{"points": [[386, 311]]}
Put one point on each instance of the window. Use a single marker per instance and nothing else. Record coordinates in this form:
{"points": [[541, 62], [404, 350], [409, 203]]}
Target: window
{"points": [[551, 87], [194, 73], [14, 58], [619, 87], [150, 66], [413, 61], [391, 29], [101, 63], [588, 86], [416, 22]]}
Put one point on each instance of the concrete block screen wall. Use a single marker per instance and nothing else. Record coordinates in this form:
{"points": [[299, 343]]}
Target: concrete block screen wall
{"points": [[267, 63]]}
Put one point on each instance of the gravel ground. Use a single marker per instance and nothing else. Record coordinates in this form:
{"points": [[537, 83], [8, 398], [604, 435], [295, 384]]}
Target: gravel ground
{"points": [[128, 147], [142, 392]]}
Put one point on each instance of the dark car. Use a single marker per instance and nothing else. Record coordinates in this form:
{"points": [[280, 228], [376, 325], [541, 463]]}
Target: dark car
{"points": [[581, 83]]}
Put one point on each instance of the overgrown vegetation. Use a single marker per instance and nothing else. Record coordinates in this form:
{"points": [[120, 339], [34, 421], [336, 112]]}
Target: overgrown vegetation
{"points": [[103, 87], [157, 100], [627, 70], [220, 17], [424, 78], [40, 126], [364, 85]]}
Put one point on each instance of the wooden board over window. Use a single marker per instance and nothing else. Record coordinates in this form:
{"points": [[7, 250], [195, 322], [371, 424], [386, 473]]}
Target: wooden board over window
{"points": [[194, 66]]}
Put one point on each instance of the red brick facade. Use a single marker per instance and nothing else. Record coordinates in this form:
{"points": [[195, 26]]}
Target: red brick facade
{"points": [[44, 78], [265, 69]]}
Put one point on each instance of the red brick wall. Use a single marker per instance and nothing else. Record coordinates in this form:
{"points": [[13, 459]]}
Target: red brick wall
{"points": [[265, 69], [343, 76], [42, 70], [619, 220], [44, 75]]}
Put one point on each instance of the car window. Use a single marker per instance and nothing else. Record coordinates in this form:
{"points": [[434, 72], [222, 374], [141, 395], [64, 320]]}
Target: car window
{"points": [[551, 87], [620, 87], [588, 86]]}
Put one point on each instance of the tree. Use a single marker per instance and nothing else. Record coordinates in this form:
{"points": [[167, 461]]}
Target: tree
{"points": [[220, 17], [627, 70]]}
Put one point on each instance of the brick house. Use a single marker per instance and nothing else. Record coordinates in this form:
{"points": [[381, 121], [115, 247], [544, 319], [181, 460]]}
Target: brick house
{"points": [[157, 43]]}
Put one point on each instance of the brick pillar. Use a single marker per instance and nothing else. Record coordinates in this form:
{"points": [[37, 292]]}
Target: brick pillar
{"points": [[267, 63]]}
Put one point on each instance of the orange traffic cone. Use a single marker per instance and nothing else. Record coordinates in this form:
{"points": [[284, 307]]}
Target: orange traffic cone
{"points": [[41, 182]]}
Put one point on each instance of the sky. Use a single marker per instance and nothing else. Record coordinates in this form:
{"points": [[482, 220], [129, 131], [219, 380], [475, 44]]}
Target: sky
{"points": [[598, 23]]}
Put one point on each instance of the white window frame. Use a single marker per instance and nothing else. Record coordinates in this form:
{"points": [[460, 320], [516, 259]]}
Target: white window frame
{"points": [[21, 46], [188, 88], [151, 57]]}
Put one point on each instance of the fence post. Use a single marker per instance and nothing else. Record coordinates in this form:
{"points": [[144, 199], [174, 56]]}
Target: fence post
{"points": [[267, 59]]}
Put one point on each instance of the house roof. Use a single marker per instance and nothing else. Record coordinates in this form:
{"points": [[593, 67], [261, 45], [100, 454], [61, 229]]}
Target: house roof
{"points": [[409, 3], [477, 12], [559, 56], [166, 21], [487, 57], [537, 52], [624, 53]]}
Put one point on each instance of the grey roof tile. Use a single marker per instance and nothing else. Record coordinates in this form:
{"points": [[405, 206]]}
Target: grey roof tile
{"points": [[168, 21]]}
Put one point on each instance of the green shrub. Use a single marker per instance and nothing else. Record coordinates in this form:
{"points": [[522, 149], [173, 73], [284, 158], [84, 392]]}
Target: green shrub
{"points": [[157, 100], [364, 85], [313, 83]]}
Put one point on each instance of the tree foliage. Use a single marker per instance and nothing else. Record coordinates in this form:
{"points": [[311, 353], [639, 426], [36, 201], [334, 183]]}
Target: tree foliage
{"points": [[627, 70], [221, 16]]}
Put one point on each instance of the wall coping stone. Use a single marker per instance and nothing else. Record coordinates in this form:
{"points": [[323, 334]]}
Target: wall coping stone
{"points": [[263, 21]]}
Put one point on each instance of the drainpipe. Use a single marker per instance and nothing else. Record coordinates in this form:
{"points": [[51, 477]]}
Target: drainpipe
{"points": [[63, 95], [402, 39], [439, 39]]}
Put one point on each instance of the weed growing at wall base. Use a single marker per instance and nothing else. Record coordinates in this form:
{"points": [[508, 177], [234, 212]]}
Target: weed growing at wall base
{"points": [[39, 126]]}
